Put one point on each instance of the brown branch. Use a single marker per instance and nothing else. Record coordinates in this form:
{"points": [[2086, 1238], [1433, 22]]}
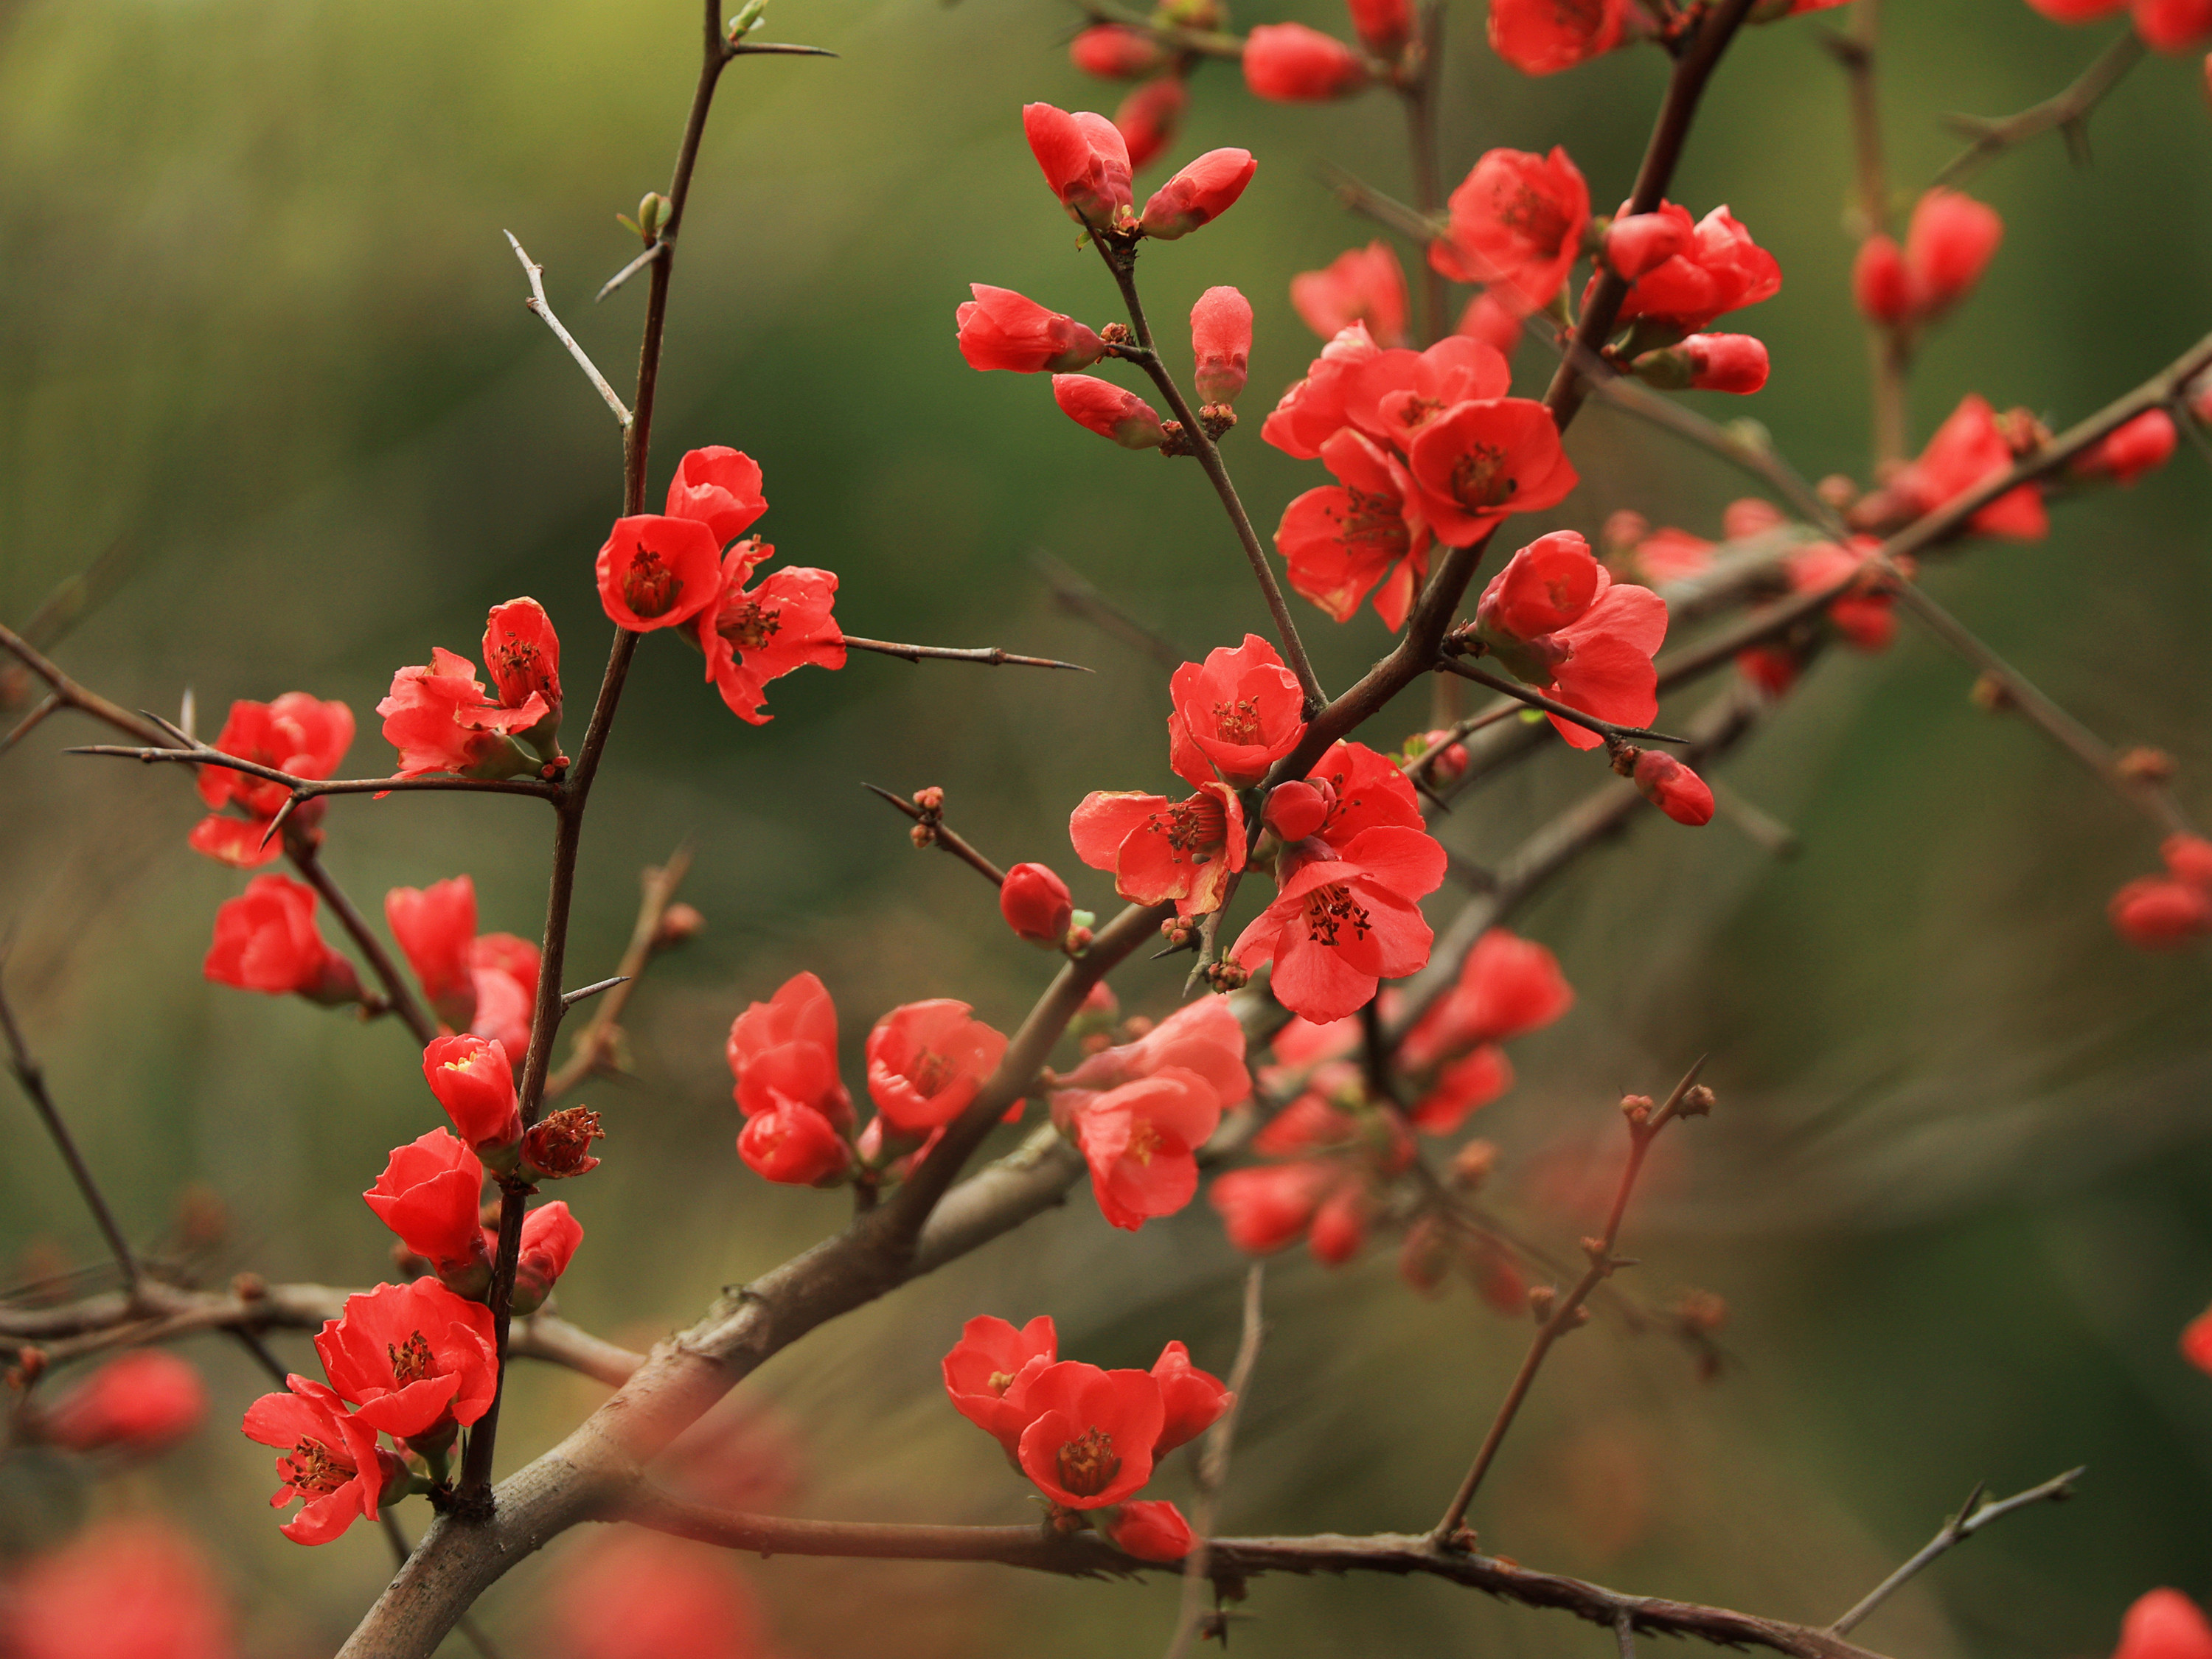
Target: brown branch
{"points": [[1213, 1466], [1889, 345], [1567, 1312], [81, 699], [1973, 1515], [176, 752], [32, 721], [940, 835], [1354, 195], [2068, 111], [1535, 699], [401, 1550], [595, 1043], [536, 302], [990, 655], [1418, 94], [398, 987]]}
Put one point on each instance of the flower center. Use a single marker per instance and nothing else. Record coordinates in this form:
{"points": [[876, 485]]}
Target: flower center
{"points": [[1000, 1382], [1144, 1138], [1479, 478], [929, 1072], [314, 1470], [1088, 1465], [1536, 217], [1238, 722], [1331, 908], [1374, 523], [411, 1360], [749, 627], [650, 587], [1195, 829]]}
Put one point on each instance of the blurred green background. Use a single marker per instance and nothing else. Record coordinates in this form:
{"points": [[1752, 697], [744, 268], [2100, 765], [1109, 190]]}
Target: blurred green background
{"points": [[260, 333]]}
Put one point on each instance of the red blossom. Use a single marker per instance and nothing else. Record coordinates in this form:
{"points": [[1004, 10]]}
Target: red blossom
{"points": [[1881, 285], [504, 970], [1360, 285], [1220, 344], [792, 1144], [2196, 1342], [1668, 554], [1140, 1140], [1365, 533], [331, 1459], [431, 1195], [1150, 1531], [1001, 329], [1673, 787], [1091, 1434], [1270, 1206], [265, 939], [415, 1360], [659, 572], [1864, 614], [522, 655], [1950, 241], [1312, 412], [441, 718], [1203, 1038], [1725, 362], [1507, 988], [1720, 270], [1108, 410], [1148, 118], [1542, 37], [1236, 714], [1968, 449], [753, 635], [2164, 1624], [1198, 195], [1191, 1401], [1291, 64], [2125, 453], [928, 1060], [436, 927], [1160, 849], [719, 486], [296, 733], [1491, 320], [1467, 1084], [550, 1238], [1085, 160], [1479, 461], [988, 1371], [788, 1046], [1383, 26], [1637, 242], [1115, 52], [1556, 619], [2173, 25], [1340, 923], [140, 1403], [474, 1081], [130, 1587], [2164, 913], [1036, 905], [1516, 224]]}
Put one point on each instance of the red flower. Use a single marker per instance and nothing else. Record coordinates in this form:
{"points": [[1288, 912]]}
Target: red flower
{"points": [[474, 1081], [1085, 160], [557, 1147], [1362, 534], [1555, 617], [1203, 1038], [1967, 450], [1291, 64], [1340, 923], [1360, 285], [1491, 320], [1948, 245], [1720, 270], [1673, 788], [928, 1060], [1312, 412], [1507, 988], [1365, 791], [1191, 1401], [1881, 286], [1141, 1140], [1220, 344], [1108, 410], [2196, 1342], [1383, 26], [1270, 1206], [751, 636], [1001, 329], [2174, 25], [1517, 220], [1542, 37], [1637, 242], [1115, 52], [2125, 453], [129, 1588], [265, 939], [1236, 714], [140, 1403], [431, 1195], [1036, 905], [296, 733], [550, 1238], [440, 720], [522, 655], [2164, 913], [504, 970], [1148, 118], [1725, 362], [1479, 461], [1159, 850], [792, 1144], [1469, 1083], [415, 1360], [2164, 1624], [720, 487], [1198, 195], [656, 572], [988, 1371], [1866, 616], [1150, 1531], [634, 1595], [1091, 1434], [788, 1046], [436, 927], [331, 1459]]}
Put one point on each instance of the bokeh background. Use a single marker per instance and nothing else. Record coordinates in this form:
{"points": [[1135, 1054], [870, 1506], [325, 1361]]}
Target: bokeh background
{"points": [[262, 350]]}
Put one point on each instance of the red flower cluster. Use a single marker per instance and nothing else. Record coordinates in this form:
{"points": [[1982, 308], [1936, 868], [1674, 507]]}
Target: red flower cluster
{"points": [[1423, 444], [1708, 268], [483, 983], [1507, 988], [138, 1403], [441, 720], [1557, 621], [332, 1460], [1948, 244], [1089, 1438], [2124, 454], [296, 733], [2164, 913], [1360, 285], [1542, 37], [431, 1195], [265, 939], [1972, 445], [419, 1362]]}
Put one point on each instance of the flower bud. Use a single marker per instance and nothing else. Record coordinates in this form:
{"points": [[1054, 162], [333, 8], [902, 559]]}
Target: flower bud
{"points": [[1881, 288], [2124, 454], [1202, 192], [1298, 809], [1448, 764], [550, 1238], [558, 1145], [1085, 160], [1150, 1531], [2156, 913], [1220, 343], [139, 1403], [1383, 26], [1149, 118], [1640, 242], [651, 214], [475, 1083], [1291, 64], [1673, 788], [2188, 858], [1001, 329], [1108, 410], [1948, 246], [1036, 905], [1726, 362], [1115, 52], [679, 923], [794, 1144]]}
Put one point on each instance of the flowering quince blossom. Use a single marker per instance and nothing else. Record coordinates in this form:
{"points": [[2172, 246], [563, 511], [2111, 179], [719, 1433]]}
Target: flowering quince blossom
{"points": [[436, 927], [139, 1403], [656, 571], [296, 733], [550, 1238], [1236, 714], [1719, 269], [131, 1587], [1673, 787], [1090, 1435], [1384, 27], [1001, 329], [1291, 64], [1159, 850], [1949, 242], [1365, 533], [416, 1361], [753, 635], [441, 718], [1141, 1141], [265, 939], [1191, 1401], [1220, 345], [1866, 616], [719, 486], [331, 1459], [503, 968], [1735, 363], [1542, 37], [1967, 449], [792, 1144], [1107, 410], [1507, 988], [1151, 1530], [788, 1046], [1344, 919], [1085, 160], [2124, 454], [988, 1371], [474, 1081], [1204, 1039], [1148, 118], [1516, 225], [1312, 410], [1198, 195], [2164, 913], [928, 1060], [1036, 905], [1360, 285], [1115, 52], [431, 1195], [2164, 1624], [636, 1594], [1557, 620], [1269, 1206]]}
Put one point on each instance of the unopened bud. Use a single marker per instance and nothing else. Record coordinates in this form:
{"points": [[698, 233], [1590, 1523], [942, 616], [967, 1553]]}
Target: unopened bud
{"points": [[679, 922], [1697, 1101], [930, 798], [1837, 490], [1228, 975], [2141, 765], [1472, 1164], [1636, 1108], [651, 214], [1989, 694], [1580, 1317], [1542, 1299], [747, 19], [1178, 932], [558, 1146], [1078, 941], [921, 835]]}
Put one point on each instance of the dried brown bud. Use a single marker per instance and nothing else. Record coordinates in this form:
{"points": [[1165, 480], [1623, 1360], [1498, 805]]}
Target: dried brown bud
{"points": [[921, 835], [2141, 765], [249, 1287], [1096, 1043], [1623, 757], [1837, 490], [1988, 694], [2022, 433], [1116, 334], [1580, 1317], [1472, 1164], [1227, 975], [679, 922], [1697, 1101], [1217, 418], [558, 1145]]}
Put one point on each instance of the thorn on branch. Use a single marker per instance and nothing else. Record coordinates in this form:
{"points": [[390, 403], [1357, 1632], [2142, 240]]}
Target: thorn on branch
{"points": [[536, 302], [990, 656]]}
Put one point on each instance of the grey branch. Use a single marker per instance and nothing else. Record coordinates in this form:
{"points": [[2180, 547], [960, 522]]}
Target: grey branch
{"points": [[536, 302]]}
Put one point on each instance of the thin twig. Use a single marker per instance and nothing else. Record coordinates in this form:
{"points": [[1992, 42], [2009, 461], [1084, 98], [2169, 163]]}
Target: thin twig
{"points": [[658, 885], [32, 721], [941, 835], [178, 752], [629, 271], [1535, 699], [1975, 1514], [989, 654], [2068, 111], [1077, 595], [398, 986], [1889, 345], [536, 302], [584, 993], [1418, 94], [1356, 196], [1213, 1466], [1206, 43]]}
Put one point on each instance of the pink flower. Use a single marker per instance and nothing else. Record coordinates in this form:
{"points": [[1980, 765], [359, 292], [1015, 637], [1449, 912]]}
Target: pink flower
{"points": [[266, 941], [1517, 220], [788, 1046], [1091, 1434], [792, 1144], [1198, 195], [1036, 905], [656, 572], [296, 733], [1085, 160], [1364, 534], [719, 486], [928, 1060], [1108, 410], [1968, 449], [331, 1459], [1235, 716], [1114, 51], [1220, 344], [1542, 37], [1360, 285], [436, 927], [1720, 270], [1159, 850], [441, 718], [1148, 118], [1864, 614], [1150, 1531], [1341, 922], [140, 1403], [1557, 620], [417, 1361], [431, 1195], [131, 1587], [1140, 1140], [1291, 64], [474, 1081], [753, 635], [988, 1371], [1001, 329]]}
